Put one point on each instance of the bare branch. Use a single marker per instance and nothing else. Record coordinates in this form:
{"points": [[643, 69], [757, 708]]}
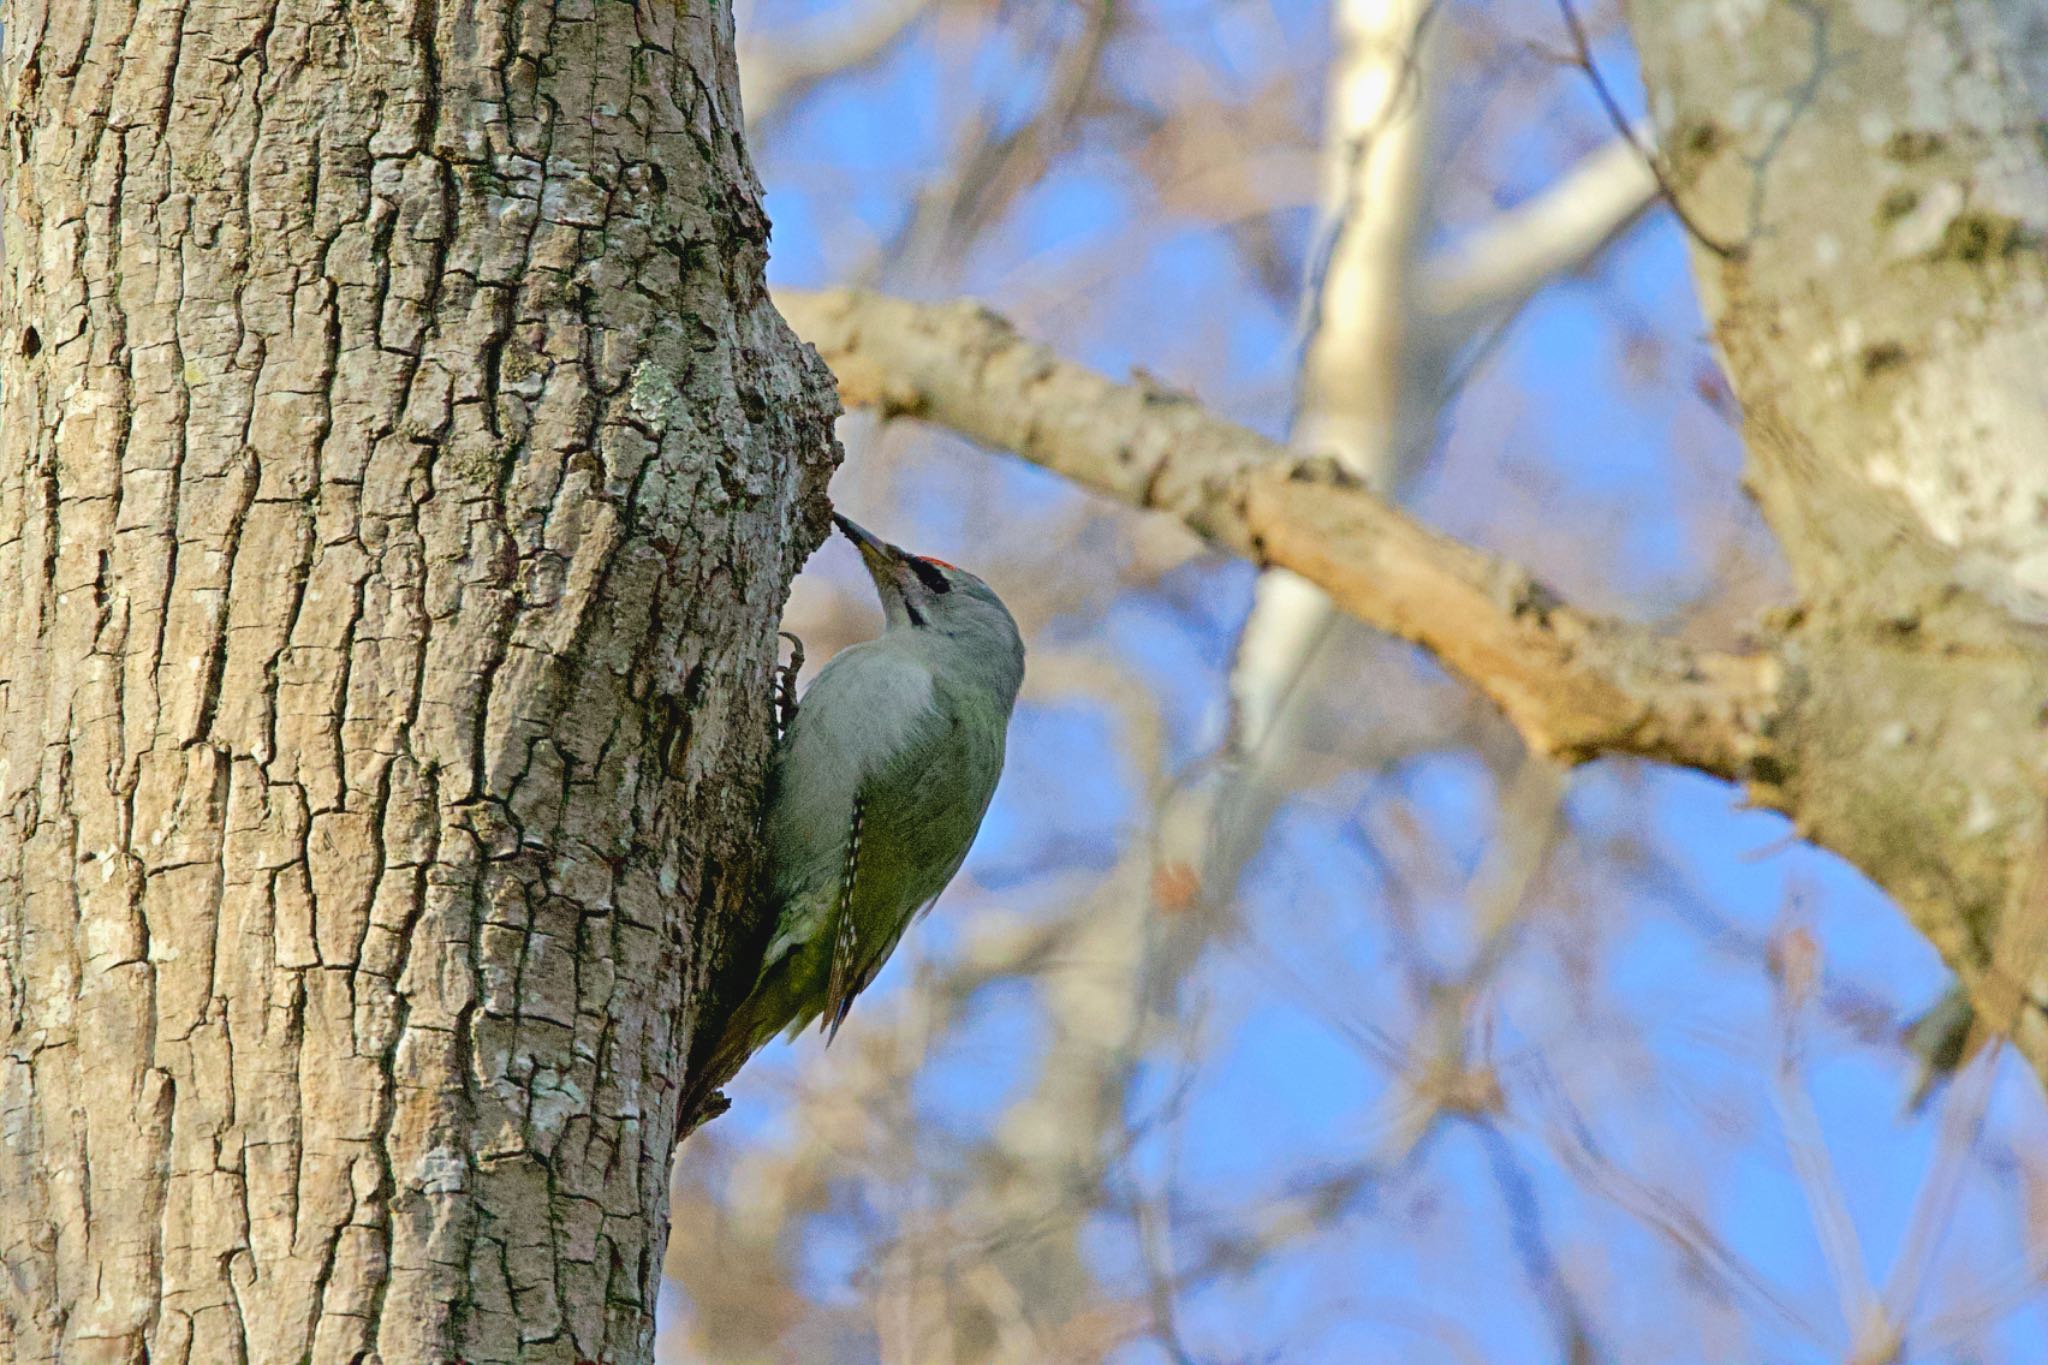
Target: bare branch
{"points": [[1525, 247], [774, 72], [1348, 394], [1583, 49], [1798, 973], [1574, 684]]}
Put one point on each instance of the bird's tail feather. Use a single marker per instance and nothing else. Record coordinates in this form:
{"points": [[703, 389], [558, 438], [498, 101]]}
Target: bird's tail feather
{"points": [[744, 1034]]}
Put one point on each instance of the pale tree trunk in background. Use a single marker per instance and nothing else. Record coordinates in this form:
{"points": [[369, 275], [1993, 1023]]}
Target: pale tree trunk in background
{"points": [[1108, 1012], [1873, 180], [1348, 404], [1383, 325], [402, 472], [1348, 391]]}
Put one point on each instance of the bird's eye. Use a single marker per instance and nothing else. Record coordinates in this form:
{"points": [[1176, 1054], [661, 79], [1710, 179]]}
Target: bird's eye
{"points": [[930, 574]]}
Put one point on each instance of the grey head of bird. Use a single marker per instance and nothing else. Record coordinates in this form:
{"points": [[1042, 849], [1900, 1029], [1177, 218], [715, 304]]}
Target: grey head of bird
{"points": [[947, 608]]}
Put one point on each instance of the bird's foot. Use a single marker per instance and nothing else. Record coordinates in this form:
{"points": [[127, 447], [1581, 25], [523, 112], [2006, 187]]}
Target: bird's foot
{"points": [[785, 683]]}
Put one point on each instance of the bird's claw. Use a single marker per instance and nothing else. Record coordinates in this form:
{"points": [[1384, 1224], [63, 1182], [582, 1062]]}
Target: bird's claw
{"points": [[785, 683]]}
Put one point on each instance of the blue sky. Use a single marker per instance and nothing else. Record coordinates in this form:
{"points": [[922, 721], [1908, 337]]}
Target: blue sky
{"points": [[1636, 1003]]}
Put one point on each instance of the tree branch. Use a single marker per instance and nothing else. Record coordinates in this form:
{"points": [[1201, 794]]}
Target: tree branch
{"points": [[1574, 684], [1499, 265], [773, 71]]}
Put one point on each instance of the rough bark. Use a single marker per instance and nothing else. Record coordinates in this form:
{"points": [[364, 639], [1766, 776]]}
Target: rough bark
{"points": [[403, 469]]}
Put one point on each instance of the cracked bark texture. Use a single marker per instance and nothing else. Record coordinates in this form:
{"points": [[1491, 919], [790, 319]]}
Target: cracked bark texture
{"points": [[403, 469], [1875, 176]]}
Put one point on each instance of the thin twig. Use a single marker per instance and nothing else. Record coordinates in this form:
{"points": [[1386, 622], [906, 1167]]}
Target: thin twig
{"points": [[1962, 1118], [1622, 124], [1806, 1143]]}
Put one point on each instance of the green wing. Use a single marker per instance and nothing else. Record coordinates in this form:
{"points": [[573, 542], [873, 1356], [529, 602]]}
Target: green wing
{"points": [[917, 819]]}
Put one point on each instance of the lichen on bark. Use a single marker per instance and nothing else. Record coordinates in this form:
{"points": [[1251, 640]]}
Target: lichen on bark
{"points": [[1885, 325]]}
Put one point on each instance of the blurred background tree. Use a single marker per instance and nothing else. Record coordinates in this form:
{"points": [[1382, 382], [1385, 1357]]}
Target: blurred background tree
{"points": [[1291, 1007]]}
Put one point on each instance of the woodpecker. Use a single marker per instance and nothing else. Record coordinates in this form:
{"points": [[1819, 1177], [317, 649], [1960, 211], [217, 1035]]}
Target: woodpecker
{"points": [[879, 785]]}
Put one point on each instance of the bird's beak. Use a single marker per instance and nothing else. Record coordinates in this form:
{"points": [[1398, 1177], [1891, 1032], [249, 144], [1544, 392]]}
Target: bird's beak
{"points": [[886, 565], [878, 554]]}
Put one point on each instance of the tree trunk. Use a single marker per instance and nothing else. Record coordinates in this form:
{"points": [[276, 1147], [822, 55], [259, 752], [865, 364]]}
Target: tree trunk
{"points": [[1868, 185], [403, 469]]}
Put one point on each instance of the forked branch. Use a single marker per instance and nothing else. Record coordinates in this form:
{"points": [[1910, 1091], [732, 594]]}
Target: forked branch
{"points": [[1575, 684]]}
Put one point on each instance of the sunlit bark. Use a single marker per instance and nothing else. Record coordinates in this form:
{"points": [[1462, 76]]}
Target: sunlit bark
{"points": [[403, 468]]}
